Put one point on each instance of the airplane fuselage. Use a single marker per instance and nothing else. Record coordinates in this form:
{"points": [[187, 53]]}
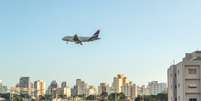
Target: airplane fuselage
{"points": [[71, 39], [80, 39]]}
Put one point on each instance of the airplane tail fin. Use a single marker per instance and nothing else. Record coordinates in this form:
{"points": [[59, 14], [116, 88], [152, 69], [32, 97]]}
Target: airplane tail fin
{"points": [[95, 36]]}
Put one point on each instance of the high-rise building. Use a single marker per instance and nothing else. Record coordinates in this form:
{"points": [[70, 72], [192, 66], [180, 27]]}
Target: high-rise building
{"points": [[143, 90], [162, 87], [39, 88], [119, 81], [24, 82], [130, 90], [104, 88], [64, 91], [3, 88], [80, 87], [25, 85], [172, 83], [155, 87], [52, 88], [184, 79]]}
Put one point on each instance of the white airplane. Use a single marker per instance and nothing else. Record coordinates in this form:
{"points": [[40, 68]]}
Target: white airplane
{"points": [[79, 39]]}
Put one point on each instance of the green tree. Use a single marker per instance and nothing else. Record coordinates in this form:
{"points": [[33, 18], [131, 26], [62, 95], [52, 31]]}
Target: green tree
{"points": [[119, 96], [162, 97], [17, 97], [103, 96], [159, 97], [91, 97]]}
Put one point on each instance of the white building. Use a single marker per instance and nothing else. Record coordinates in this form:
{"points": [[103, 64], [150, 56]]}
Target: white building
{"points": [[119, 81], [64, 91], [104, 88], [81, 87], [162, 88], [155, 88], [130, 90], [184, 79], [3, 88], [140, 90], [172, 83], [39, 88]]}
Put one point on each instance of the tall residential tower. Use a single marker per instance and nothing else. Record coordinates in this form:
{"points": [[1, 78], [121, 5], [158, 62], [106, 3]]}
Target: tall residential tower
{"points": [[184, 79]]}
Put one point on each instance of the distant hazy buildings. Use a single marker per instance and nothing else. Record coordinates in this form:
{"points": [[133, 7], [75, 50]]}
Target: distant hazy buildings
{"points": [[52, 88], [143, 90], [25, 85], [119, 81], [3, 88], [56, 91], [104, 88], [130, 90], [121, 84], [162, 87], [155, 88], [184, 79], [80, 87], [39, 88], [63, 91]]}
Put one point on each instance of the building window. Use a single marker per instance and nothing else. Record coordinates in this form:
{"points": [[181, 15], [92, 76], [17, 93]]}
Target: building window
{"points": [[192, 99], [178, 85], [192, 86], [192, 71]]}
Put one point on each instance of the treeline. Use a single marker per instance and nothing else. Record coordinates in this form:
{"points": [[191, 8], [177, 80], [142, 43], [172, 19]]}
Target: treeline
{"points": [[102, 97], [159, 97]]}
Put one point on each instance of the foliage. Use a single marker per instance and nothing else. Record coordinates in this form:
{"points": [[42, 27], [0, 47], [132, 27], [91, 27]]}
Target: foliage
{"points": [[91, 97], [159, 97], [103, 96], [6, 96], [118, 96]]}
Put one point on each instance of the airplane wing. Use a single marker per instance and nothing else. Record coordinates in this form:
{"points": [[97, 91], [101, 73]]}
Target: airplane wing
{"points": [[77, 40]]}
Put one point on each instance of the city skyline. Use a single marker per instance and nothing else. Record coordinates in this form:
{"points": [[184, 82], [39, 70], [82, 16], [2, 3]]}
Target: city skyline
{"points": [[37, 89], [117, 82], [138, 38], [70, 84]]}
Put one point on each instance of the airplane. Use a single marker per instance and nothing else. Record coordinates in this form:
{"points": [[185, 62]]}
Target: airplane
{"points": [[80, 39]]}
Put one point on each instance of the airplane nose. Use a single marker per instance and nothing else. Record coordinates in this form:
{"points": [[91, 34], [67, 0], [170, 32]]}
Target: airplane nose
{"points": [[63, 38]]}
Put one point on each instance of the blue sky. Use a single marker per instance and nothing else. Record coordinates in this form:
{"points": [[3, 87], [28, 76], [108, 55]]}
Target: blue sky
{"points": [[140, 38]]}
